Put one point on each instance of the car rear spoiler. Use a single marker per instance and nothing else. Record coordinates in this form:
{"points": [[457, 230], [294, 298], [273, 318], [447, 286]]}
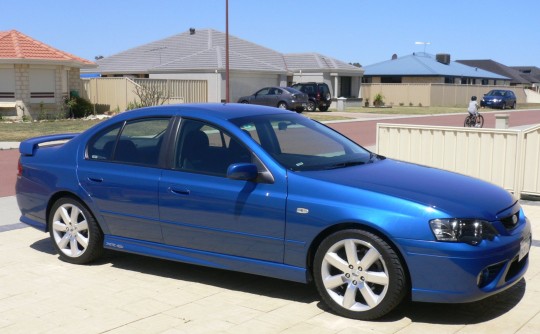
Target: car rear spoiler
{"points": [[29, 146]]}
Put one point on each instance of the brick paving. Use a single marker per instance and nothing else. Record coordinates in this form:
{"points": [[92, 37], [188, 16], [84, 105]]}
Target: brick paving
{"points": [[124, 293]]}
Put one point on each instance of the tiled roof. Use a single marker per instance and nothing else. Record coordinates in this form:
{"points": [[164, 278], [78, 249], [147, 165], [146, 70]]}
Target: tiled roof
{"points": [[531, 73], [315, 61], [495, 67], [205, 50], [15, 45], [424, 64]]}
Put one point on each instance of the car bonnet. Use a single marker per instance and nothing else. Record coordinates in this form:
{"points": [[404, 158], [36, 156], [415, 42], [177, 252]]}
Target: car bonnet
{"points": [[457, 195]]}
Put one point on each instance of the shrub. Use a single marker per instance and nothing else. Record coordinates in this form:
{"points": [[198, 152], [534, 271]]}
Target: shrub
{"points": [[79, 107]]}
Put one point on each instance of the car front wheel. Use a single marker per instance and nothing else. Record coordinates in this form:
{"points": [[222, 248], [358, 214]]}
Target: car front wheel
{"points": [[282, 105], [74, 231], [359, 275]]}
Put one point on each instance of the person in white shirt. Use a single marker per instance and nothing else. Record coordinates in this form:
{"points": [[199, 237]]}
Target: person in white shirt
{"points": [[473, 109]]}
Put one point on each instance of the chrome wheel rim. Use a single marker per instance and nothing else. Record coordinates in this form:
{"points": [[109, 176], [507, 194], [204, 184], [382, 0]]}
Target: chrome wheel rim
{"points": [[70, 230], [354, 275]]}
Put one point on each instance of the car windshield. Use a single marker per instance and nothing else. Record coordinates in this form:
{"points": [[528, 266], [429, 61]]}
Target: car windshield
{"points": [[301, 144]]}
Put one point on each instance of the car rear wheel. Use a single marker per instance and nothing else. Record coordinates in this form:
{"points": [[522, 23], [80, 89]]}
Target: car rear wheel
{"points": [[359, 275], [282, 105], [74, 231], [311, 106]]}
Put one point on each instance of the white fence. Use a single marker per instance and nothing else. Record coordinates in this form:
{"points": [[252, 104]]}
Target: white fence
{"points": [[509, 158]]}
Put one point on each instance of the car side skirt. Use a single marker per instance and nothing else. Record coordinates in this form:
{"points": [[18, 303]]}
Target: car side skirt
{"points": [[207, 259], [42, 226]]}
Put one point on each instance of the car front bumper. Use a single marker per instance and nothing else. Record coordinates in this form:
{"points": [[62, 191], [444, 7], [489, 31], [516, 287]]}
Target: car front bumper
{"points": [[443, 272]]}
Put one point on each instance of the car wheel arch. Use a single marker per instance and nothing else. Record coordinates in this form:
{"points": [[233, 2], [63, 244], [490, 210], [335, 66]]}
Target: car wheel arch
{"points": [[310, 258], [66, 194]]}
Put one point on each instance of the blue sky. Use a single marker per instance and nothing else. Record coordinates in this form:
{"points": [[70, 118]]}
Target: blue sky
{"points": [[360, 31]]}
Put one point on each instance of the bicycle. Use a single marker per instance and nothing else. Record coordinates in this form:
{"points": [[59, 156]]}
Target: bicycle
{"points": [[474, 121]]}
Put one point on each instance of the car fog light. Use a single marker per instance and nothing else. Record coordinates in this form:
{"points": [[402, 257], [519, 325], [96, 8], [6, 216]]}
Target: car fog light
{"points": [[470, 231]]}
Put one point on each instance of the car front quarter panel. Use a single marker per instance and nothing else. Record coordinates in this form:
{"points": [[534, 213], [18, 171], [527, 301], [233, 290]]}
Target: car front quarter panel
{"points": [[315, 207]]}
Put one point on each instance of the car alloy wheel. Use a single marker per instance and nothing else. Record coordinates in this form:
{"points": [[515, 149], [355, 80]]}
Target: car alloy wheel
{"points": [[282, 105], [311, 106], [74, 231], [358, 275]]}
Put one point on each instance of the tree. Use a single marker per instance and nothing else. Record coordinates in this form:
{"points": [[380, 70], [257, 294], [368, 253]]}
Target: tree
{"points": [[150, 95]]}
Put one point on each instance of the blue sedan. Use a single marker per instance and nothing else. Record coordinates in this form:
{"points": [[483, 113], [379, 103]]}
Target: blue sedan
{"points": [[270, 192]]}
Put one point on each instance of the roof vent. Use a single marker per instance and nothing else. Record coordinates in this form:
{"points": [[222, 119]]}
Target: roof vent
{"points": [[443, 58], [192, 31], [394, 56]]}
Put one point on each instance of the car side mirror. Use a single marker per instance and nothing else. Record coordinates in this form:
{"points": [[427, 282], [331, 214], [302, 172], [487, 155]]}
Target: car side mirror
{"points": [[242, 171]]}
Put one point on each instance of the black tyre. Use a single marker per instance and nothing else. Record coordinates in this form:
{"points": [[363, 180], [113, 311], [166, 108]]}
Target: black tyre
{"points": [[359, 275], [503, 106], [468, 122], [311, 106], [323, 108], [513, 105], [480, 121], [282, 105], [74, 231], [244, 101]]}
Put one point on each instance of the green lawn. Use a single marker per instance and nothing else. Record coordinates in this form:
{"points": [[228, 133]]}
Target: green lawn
{"points": [[18, 131]]}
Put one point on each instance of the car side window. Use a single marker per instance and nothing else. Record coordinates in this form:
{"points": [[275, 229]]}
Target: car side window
{"points": [[135, 142], [204, 148], [264, 91]]}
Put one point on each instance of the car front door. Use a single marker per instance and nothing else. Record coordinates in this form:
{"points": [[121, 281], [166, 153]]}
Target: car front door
{"points": [[262, 97], [202, 209], [121, 175]]}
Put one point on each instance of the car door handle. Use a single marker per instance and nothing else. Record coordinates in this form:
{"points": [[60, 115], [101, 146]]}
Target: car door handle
{"points": [[95, 179], [177, 191]]}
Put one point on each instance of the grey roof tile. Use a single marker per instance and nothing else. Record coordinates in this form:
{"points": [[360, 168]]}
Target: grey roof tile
{"points": [[495, 67], [205, 50]]}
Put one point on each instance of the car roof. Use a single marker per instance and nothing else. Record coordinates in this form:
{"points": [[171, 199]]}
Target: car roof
{"points": [[224, 111]]}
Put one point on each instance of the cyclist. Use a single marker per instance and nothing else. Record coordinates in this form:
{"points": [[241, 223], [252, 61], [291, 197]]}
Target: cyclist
{"points": [[473, 110]]}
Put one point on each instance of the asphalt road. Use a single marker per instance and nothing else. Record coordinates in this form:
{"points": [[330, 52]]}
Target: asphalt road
{"points": [[362, 130]]}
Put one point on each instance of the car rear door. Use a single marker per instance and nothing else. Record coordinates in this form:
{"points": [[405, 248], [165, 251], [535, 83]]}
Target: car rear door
{"points": [[121, 174], [202, 209]]}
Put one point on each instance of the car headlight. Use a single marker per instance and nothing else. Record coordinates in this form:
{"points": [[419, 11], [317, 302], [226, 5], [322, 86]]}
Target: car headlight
{"points": [[470, 231]]}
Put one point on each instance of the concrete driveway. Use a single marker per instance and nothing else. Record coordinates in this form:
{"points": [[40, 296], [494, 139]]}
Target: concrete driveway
{"points": [[124, 293]]}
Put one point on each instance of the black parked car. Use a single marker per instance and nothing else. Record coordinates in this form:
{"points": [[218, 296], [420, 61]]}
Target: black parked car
{"points": [[319, 95], [281, 97], [499, 98]]}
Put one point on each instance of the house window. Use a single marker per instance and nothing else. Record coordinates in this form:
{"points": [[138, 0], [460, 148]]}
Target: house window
{"points": [[390, 79], [7, 83], [42, 85]]}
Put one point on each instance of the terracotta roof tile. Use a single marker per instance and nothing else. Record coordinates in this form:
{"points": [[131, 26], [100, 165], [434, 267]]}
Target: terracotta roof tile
{"points": [[16, 45]]}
